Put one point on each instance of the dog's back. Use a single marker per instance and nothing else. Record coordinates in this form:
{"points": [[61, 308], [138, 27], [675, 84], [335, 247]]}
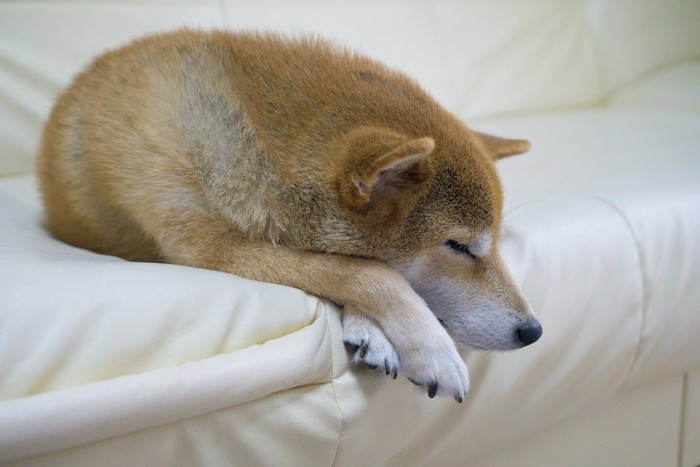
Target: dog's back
{"points": [[255, 117]]}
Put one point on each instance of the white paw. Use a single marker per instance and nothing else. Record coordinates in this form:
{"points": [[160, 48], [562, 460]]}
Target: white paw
{"points": [[438, 367], [427, 354], [364, 338]]}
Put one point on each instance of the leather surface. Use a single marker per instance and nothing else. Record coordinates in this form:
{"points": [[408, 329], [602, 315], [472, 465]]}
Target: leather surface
{"points": [[115, 363]]}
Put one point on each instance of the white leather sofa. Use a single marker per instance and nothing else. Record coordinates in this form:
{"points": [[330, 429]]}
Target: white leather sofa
{"points": [[105, 362]]}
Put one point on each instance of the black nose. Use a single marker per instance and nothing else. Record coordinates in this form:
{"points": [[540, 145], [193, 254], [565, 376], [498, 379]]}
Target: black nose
{"points": [[529, 333]]}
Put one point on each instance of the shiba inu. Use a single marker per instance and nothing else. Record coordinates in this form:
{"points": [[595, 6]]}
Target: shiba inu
{"points": [[295, 162]]}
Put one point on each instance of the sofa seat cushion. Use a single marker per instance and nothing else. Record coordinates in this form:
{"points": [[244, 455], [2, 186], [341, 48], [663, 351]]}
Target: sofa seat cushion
{"points": [[71, 316]]}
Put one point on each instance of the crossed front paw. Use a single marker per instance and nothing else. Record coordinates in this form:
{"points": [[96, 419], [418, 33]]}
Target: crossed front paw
{"points": [[435, 366], [441, 372]]}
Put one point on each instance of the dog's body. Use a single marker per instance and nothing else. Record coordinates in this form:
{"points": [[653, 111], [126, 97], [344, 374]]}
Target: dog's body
{"points": [[293, 162]]}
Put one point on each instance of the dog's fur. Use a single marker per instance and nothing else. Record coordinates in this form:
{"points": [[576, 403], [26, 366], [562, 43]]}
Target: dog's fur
{"points": [[298, 163]]}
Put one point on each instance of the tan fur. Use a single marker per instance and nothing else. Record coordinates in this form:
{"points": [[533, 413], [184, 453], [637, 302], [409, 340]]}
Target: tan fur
{"points": [[288, 161]]}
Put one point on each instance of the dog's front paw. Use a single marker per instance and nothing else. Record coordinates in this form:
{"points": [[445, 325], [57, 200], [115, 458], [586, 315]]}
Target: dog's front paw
{"points": [[429, 356], [364, 338], [439, 369]]}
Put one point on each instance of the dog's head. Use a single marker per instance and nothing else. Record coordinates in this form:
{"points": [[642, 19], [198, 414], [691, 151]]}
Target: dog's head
{"points": [[431, 207]]}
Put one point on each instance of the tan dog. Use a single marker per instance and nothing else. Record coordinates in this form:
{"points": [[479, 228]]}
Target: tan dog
{"points": [[294, 162]]}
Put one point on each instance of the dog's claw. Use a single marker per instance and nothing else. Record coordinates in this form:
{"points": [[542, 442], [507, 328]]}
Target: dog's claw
{"points": [[459, 398], [364, 346], [390, 369], [432, 390], [351, 347]]}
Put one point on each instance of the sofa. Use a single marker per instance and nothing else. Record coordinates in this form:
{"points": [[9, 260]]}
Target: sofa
{"points": [[108, 362]]}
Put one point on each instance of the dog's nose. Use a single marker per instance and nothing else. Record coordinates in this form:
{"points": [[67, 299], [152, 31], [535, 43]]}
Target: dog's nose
{"points": [[529, 333]]}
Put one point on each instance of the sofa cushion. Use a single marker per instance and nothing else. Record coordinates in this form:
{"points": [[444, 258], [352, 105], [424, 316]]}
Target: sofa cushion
{"points": [[70, 316]]}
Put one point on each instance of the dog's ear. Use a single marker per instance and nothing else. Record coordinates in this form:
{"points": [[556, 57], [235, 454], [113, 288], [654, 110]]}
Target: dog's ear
{"points": [[498, 148], [382, 166]]}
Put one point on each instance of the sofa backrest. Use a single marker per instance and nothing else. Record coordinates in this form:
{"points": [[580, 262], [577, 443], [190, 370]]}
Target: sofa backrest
{"points": [[479, 58]]}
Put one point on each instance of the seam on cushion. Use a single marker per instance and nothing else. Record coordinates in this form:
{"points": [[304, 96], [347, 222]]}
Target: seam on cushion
{"points": [[643, 285], [334, 386]]}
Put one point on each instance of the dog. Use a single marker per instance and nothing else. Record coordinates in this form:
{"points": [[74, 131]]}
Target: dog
{"points": [[297, 162]]}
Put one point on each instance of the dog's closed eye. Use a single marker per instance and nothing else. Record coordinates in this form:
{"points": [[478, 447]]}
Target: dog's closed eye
{"points": [[461, 248]]}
